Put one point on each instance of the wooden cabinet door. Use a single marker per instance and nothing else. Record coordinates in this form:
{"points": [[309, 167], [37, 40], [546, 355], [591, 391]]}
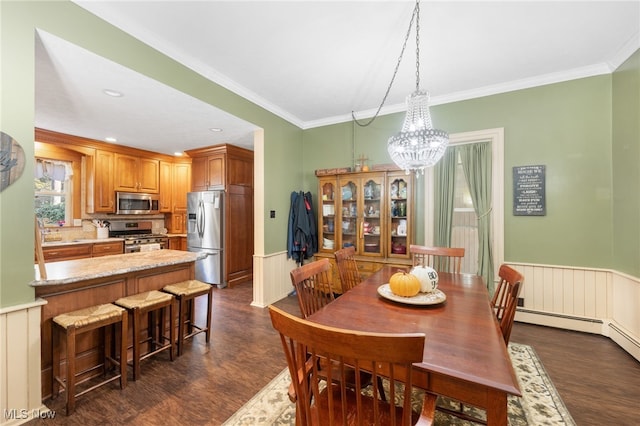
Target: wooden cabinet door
{"points": [[199, 174], [105, 249], [103, 185], [166, 187], [149, 175], [126, 173], [178, 223], [216, 172], [181, 186], [136, 174], [239, 234], [328, 217]]}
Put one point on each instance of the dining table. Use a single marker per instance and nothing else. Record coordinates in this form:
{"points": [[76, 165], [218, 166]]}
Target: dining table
{"points": [[465, 356]]}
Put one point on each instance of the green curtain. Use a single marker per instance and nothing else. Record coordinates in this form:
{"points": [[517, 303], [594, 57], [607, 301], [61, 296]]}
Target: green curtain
{"points": [[444, 185], [476, 164]]}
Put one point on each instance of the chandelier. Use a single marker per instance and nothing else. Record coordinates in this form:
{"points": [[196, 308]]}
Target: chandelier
{"points": [[418, 145]]}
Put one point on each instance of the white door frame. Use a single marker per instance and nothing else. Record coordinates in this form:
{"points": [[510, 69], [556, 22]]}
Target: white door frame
{"points": [[496, 137]]}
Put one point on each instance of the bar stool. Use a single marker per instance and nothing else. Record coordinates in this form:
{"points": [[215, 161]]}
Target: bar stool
{"points": [[186, 292], [144, 306], [74, 323]]}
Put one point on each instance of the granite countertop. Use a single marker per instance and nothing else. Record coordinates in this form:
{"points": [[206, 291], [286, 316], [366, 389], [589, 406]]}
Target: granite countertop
{"points": [[70, 271], [80, 241]]}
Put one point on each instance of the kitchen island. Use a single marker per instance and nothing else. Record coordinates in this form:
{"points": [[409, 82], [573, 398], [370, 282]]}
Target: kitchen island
{"points": [[81, 283]]}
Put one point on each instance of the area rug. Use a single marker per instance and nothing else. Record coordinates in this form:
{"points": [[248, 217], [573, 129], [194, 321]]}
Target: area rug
{"points": [[539, 405]]}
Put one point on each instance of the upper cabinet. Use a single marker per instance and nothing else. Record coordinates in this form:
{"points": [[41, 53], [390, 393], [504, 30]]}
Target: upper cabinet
{"points": [[220, 166], [137, 174], [107, 168], [100, 182]]}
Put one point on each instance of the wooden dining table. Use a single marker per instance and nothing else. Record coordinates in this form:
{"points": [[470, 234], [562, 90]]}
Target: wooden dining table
{"points": [[465, 356]]}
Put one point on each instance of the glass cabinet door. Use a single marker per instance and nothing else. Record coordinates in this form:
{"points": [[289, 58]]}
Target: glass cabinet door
{"points": [[372, 216], [327, 232], [400, 215], [349, 213]]}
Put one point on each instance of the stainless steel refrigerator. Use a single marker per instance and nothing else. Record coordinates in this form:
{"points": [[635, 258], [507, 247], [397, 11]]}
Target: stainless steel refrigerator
{"points": [[205, 228]]}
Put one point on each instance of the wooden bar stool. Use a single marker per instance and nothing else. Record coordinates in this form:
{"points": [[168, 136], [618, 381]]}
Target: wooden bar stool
{"points": [[143, 306], [186, 292], [72, 324]]}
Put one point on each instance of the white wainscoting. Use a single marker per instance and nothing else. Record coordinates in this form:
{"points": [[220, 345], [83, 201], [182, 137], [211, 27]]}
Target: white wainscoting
{"points": [[271, 280], [583, 299], [20, 396]]}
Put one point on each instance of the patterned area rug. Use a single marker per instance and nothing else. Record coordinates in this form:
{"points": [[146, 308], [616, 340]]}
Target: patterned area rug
{"points": [[539, 405]]}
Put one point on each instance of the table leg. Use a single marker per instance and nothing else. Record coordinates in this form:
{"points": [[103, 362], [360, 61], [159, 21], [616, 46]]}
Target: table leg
{"points": [[496, 408]]}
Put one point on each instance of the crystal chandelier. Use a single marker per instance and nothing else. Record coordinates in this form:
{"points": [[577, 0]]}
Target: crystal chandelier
{"points": [[418, 144]]}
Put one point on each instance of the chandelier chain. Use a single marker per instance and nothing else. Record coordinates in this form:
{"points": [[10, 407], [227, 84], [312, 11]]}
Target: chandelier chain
{"points": [[414, 17]]}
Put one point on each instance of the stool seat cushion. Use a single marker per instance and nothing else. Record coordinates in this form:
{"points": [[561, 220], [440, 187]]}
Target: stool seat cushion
{"points": [[186, 288], [88, 316], [144, 300]]}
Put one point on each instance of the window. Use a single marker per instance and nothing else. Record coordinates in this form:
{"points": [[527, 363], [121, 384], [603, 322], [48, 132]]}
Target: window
{"points": [[53, 191], [464, 231]]}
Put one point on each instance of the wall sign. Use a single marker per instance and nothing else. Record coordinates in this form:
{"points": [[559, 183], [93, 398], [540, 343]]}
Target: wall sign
{"points": [[529, 191]]}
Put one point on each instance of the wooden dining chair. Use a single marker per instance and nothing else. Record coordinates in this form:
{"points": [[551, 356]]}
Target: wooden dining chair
{"points": [[312, 283], [314, 290], [325, 401], [505, 299], [442, 259], [347, 268]]}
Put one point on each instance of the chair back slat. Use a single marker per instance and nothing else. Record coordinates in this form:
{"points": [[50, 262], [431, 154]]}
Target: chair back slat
{"points": [[347, 268], [505, 299], [442, 259], [312, 283], [327, 401]]}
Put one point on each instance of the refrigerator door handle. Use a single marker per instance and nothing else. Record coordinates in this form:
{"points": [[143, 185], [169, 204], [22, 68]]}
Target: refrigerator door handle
{"points": [[200, 219]]}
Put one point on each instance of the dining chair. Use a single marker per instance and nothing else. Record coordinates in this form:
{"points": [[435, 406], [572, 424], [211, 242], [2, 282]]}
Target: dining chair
{"points": [[347, 268], [312, 282], [325, 401], [442, 259], [505, 299], [314, 290]]}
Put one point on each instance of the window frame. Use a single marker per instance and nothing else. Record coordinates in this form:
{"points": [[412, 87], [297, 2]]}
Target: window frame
{"points": [[496, 138]]}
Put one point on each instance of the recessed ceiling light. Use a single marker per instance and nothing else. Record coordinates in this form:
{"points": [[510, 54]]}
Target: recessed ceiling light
{"points": [[177, 154], [113, 93], [110, 139], [215, 129]]}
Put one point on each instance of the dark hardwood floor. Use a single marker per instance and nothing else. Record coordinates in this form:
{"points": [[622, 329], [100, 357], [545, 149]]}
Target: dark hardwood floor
{"points": [[598, 381]]}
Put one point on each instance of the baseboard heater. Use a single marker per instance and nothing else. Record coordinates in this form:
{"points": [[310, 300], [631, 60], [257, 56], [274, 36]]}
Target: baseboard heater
{"points": [[552, 314], [625, 335]]}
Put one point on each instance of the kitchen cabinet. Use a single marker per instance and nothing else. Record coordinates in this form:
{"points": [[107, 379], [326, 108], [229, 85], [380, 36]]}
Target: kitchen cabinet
{"points": [[178, 243], [165, 199], [105, 249], [229, 168], [58, 253], [180, 186], [137, 174], [371, 211], [100, 182]]}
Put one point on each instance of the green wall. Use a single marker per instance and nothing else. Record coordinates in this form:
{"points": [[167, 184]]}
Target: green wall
{"points": [[18, 22], [626, 166], [565, 126]]}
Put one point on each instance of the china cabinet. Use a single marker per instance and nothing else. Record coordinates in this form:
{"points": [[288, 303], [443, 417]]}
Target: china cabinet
{"points": [[371, 211]]}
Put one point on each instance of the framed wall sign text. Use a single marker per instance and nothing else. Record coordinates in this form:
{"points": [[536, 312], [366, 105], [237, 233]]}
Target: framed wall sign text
{"points": [[529, 191]]}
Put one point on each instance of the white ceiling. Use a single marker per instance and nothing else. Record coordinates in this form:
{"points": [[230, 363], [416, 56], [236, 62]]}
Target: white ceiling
{"points": [[313, 62]]}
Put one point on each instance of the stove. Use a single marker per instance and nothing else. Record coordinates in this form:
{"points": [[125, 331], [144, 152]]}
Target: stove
{"points": [[138, 236]]}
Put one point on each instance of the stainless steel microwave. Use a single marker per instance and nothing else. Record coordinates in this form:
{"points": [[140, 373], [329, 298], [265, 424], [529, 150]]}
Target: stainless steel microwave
{"points": [[136, 203]]}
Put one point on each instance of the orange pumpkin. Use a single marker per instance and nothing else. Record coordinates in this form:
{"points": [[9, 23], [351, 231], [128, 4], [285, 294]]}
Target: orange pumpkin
{"points": [[404, 284]]}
